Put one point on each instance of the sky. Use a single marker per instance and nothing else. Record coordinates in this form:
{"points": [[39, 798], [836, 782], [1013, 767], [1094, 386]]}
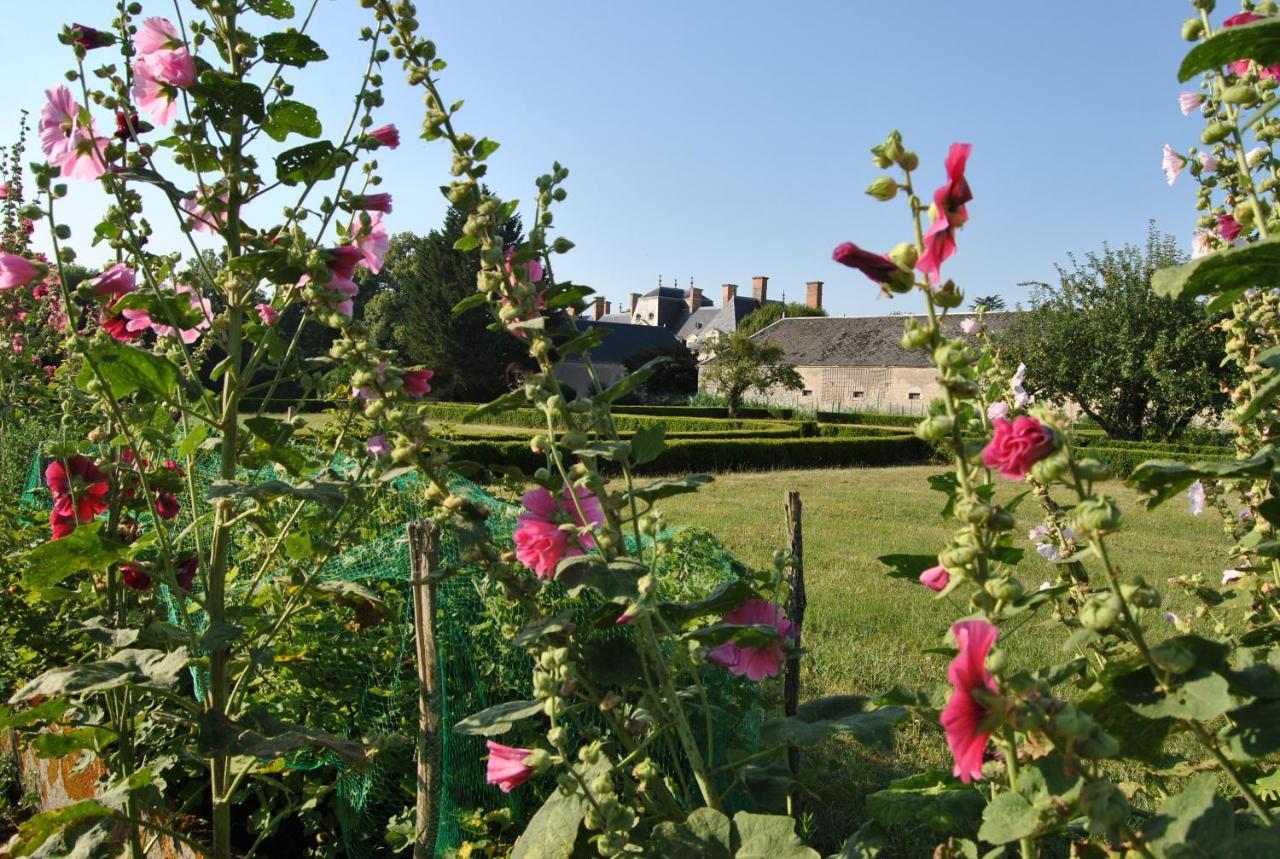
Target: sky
{"points": [[710, 141]]}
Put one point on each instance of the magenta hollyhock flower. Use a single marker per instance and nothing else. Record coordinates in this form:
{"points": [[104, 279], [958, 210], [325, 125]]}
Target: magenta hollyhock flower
{"points": [[1228, 227], [372, 242], [935, 578], [951, 203], [378, 447], [1017, 445], [117, 326], [186, 574], [754, 663], [386, 135], [18, 271], [373, 203], [78, 152], [79, 488], [90, 38], [342, 261], [115, 282], [877, 267], [133, 578], [61, 525], [267, 314], [506, 766], [1189, 101], [417, 382], [1172, 164], [540, 542], [208, 211], [962, 717]]}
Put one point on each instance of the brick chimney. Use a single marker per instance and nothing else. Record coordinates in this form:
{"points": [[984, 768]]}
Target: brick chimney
{"points": [[813, 295], [597, 307], [694, 296], [635, 299], [760, 288], [728, 292], [608, 308]]}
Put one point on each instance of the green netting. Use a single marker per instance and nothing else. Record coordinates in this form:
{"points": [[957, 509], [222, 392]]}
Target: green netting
{"points": [[362, 683]]}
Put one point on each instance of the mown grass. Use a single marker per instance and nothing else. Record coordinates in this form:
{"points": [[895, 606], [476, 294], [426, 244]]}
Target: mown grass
{"points": [[864, 631]]}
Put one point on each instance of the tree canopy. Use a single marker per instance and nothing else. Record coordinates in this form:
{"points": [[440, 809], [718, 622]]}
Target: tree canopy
{"points": [[411, 312], [767, 314], [739, 364], [1140, 365]]}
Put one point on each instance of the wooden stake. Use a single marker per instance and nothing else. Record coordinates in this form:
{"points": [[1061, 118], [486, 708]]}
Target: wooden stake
{"points": [[795, 611], [424, 539]]}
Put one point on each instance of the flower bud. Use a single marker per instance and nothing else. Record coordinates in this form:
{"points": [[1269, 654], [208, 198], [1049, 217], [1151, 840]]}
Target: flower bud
{"points": [[1050, 468], [1001, 520], [557, 736], [1096, 515], [916, 335], [1214, 132], [1104, 804], [948, 295], [1007, 590], [1093, 469], [957, 557], [1192, 29], [1072, 721], [883, 189], [538, 760], [905, 254], [1140, 594], [1101, 611], [900, 282], [909, 161], [574, 440], [997, 661], [1173, 656], [953, 353], [1240, 94], [935, 428], [1244, 214]]}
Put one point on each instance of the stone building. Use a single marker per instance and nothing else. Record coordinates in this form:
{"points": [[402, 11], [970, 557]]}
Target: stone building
{"points": [[858, 363]]}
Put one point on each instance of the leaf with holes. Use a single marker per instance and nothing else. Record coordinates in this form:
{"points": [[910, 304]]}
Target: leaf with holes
{"points": [[291, 48]]}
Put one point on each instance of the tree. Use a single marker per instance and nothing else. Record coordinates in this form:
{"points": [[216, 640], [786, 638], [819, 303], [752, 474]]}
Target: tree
{"points": [[672, 382], [1140, 365], [989, 303], [767, 314], [411, 311], [739, 364]]}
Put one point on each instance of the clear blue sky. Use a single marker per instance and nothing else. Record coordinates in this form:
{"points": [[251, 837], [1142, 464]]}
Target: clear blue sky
{"points": [[719, 140]]}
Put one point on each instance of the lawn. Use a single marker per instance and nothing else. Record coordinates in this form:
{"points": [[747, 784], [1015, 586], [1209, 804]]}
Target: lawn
{"points": [[864, 631]]}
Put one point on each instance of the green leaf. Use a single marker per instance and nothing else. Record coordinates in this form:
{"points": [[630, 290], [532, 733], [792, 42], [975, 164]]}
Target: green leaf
{"points": [[1251, 733], [504, 403], [291, 48], [1201, 695], [46, 711], [328, 493], [613, 580], [312, 162], [908, 566], [483, 148], [706, 834], [1261, 398], [140, 668], [853, 715], [536, 629], [667, 487], [614, 662], [1196, 822], [191, 441], [627, 384], [497, 719], [127, 370], [82, 549], [769, 836], [647, 443], [466, 243], [933, 798], [475, 299], [1258, 41], [226, 100], [721, 601], [291, 117], [1161, 479], [553, 830], [38, 829], [1255, 265], [59, 744], [1008, 817], [355, 753], [279, 9], [1140, 738]]}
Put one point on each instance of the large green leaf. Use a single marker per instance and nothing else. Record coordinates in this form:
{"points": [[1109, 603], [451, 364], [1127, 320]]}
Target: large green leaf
{"points": [[816, 720], [553, 830], [328, 493], [313, 162], [504, 403], [706, 834], [1259, 41], [933, 798], [291, 49], [82, 549], [1161, 479], [1007, 818], [127, 370], [291, 117], [647, 443], [1253, 730], [1252, 265], [139, 668], [39, 829], [626, 385], [227, 100], [613, 580], [722, 600], [1194, 823], [667, 487], [498, 719], [1201, 695], [279, 9], [769, 836]]}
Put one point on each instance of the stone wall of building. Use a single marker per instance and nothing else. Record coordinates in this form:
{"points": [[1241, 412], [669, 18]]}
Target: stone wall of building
{"points": [[872, 389]]}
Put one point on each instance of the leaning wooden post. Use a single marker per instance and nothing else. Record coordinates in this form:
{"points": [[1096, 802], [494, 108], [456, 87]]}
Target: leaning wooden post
{"points": [[795, 610], [424, 539]]}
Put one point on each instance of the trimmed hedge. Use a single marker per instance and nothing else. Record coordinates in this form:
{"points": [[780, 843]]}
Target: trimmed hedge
{"points": [[517, 434], [732, 454], [705, 412], [869, 419], [534, 419], [1124, 458]]}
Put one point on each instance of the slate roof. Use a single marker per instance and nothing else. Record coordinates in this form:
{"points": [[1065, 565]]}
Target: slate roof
{"points": [[622, 340], [859, 341]]}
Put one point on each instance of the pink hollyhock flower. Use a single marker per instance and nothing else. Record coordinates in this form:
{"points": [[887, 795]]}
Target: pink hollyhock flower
{"points": [[18, 271], [1017, 445], [61, 525], [342, 261], [962, 717], [755, 663], [78, 152], [1228, 227], [1020, 395], [532, 269], [1208, 163], [186, 574], [140, 318], [1201, 244], [117, 326], [969, 326], [4, 190], [372, 242], [935, 578], [267, 314], [373, 203], [378, 446], [158, 100], [507, 767], [1189, 101], [416, 382], [877, 267], [115, 282], [208, 213], [1172, 164], [950, 201], [79, 488], [540, 541], [386, 135], [133, 578], [156, 34]]}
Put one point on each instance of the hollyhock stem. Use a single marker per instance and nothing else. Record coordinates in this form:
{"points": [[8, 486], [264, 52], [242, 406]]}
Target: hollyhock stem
{"points": [[1026, 844]]}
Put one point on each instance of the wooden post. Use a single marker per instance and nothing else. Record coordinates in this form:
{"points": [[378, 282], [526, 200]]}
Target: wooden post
{"points": [[423, 557], [795, 610]]}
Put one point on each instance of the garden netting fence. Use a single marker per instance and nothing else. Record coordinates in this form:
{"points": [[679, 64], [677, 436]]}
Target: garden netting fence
{"points": [[360, 681]]}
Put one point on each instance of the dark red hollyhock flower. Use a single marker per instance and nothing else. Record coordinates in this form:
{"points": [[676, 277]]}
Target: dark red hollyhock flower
{"points": [[950, 200], [386, 135], [167, 505], [61, 525], [79, 488], [342, 261], [876, 266], [187, 574], [133, 578], [130, 125], [90, 38], [417, 382]]}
